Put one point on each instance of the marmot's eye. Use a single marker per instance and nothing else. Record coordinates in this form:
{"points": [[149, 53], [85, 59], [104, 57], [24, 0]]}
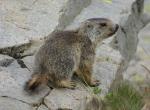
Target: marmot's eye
{"points": [[103, 24], [89, 26]]}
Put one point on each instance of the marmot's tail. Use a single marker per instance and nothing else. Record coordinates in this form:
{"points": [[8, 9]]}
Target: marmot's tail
{"points": [[35, 81]]}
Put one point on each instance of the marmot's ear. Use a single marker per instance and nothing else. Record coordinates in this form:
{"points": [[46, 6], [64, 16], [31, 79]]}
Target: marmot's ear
{"points": [[88, 24]]}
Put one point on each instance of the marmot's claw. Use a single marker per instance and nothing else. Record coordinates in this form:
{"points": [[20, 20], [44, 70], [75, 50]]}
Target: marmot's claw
{"points": [[72, 85]]}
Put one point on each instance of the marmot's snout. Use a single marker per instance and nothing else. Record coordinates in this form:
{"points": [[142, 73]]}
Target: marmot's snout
{"points": [[114, 29]]}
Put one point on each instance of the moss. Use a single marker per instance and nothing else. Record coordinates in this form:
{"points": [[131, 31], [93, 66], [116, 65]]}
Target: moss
{"points": [[96, 90], [107, 1], [147, 8], [124, 97]]}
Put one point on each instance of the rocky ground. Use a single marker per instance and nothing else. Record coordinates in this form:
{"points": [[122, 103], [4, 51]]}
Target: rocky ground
{"points": [[23, 26]]}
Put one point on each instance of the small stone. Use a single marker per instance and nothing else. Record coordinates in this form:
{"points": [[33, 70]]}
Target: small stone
{"points": [[5, 60], [42, 107]]}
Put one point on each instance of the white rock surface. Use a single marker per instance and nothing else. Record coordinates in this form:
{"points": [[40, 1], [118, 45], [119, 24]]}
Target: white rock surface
{"points": [[139, 70], [12, 82], [29, 62], [42, 107], [144, 39], [22, 20], [12, 104], [5, 57], [99, 8], [65, 98], [5, 60], [105, 66]]}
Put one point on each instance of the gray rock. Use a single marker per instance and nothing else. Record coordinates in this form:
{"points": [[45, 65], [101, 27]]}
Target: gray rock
{"points": [[139, 69], [127, 36], [139, 74], [65, 98], [70, 10], [12, 104], [144, 40], [42, 107], [22, 21], [29, 62], [12, 82], [106, 63], [5, 60], [21, 75], [99, 8]]}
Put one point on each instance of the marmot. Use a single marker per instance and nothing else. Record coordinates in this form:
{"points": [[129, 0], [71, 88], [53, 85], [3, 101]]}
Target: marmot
{"points": [[67, 52]]}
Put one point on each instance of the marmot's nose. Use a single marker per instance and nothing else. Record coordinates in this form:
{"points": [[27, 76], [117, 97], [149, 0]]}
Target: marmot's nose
{"points": [[117, 26], [114, 29]]}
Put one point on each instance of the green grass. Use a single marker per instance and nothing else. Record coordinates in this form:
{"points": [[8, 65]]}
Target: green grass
{"points": [[96, 90], [107, 1], [124, 97], [147, 8]]}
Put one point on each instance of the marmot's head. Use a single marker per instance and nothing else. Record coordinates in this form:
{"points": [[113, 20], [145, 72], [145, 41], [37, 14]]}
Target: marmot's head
{"points": [[98, 29]]}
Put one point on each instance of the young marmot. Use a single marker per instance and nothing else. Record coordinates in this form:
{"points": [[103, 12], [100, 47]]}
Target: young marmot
{"points": [[67, 52]]}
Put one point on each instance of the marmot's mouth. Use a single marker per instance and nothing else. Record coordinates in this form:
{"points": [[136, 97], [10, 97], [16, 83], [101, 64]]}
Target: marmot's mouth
{"points": [[115, 30]]}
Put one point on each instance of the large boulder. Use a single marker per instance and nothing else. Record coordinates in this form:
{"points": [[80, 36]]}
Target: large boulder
{"points": [[66, 98], [23, 21], [13, 104], [12, 81]]}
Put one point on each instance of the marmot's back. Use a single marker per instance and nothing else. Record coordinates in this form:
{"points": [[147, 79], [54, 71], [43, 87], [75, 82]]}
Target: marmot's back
{"points": [[57, 50], [64, 37]]}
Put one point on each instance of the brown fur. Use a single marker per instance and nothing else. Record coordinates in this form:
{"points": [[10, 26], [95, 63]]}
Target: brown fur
{"points": [[68, 52], [36, 81]]}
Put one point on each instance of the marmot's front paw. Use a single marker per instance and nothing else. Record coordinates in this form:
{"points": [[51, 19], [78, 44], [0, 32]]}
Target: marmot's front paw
{"points": [[94, 83], [71, 85], [67, 84]]}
